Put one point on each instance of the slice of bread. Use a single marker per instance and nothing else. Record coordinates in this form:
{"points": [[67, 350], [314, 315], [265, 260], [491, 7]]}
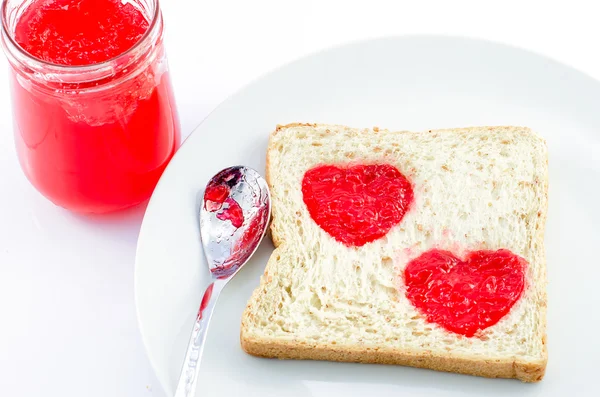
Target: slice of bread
{"points": [[474, 188]]}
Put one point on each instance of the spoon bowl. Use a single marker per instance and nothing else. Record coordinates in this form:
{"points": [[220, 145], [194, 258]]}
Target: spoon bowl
{"points": [[234, 214]]}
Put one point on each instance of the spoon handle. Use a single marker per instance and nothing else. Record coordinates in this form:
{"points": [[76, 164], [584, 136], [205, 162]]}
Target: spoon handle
{"points": [[186, 387]]}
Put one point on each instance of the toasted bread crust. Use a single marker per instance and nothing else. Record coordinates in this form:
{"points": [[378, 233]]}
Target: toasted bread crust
{"points": [[524, 371]]}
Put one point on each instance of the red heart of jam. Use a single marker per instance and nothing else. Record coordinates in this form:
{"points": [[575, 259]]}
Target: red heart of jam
{"points": [[357, 204], [465, 295]]}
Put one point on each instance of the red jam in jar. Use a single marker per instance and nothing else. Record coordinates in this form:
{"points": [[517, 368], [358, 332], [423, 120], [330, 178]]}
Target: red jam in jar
{"points": [[94, 115]]}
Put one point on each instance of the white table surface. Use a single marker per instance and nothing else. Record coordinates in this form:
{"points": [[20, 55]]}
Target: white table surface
{"points": [[68, 325]]}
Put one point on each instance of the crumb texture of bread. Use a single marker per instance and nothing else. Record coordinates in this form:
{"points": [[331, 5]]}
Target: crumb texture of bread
{"points": [[474, 188]]}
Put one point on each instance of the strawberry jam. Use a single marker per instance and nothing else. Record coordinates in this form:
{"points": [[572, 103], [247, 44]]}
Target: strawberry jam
{"points": [[358, 204], [465, 295], [217, 199], [232, 212], [79, 32], [217, 194]]}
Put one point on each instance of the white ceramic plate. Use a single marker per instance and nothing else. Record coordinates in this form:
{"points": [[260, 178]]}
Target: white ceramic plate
{"points": [[411, 83]]}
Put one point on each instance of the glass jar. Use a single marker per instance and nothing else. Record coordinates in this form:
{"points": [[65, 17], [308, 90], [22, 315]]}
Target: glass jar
{"points": [[93, 138]]}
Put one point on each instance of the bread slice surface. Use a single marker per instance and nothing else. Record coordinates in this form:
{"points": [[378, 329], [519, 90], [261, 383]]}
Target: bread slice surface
{"points": [[474, 188]]}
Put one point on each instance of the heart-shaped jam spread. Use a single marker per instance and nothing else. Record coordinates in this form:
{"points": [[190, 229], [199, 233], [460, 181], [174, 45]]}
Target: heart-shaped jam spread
{"points": [[465, 295], [357, 204]]}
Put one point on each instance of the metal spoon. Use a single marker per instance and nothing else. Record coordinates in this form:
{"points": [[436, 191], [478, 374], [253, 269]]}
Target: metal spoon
{"points": [[234, 215]]}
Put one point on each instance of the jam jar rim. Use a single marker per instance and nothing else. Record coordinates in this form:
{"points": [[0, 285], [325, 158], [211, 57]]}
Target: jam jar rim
{"points": [[83, 76]]}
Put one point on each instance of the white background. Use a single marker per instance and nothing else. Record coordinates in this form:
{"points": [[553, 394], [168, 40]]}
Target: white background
{"points": [[67, 312]]}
